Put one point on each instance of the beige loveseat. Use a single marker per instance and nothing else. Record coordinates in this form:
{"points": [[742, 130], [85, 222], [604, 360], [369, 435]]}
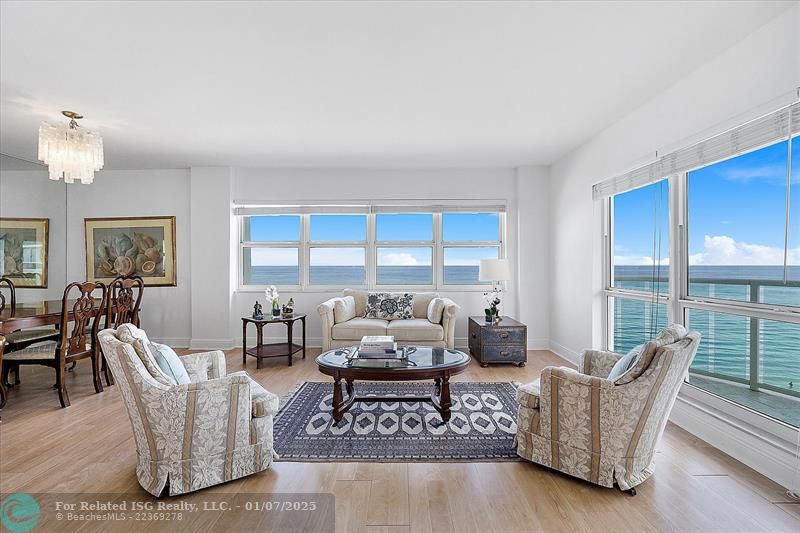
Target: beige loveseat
{"points": [[340, 328]]}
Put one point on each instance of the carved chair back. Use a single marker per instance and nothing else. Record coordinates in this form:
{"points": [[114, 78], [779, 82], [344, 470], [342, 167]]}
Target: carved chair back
{"points": [[12, 300], [124, 300], [87, 312]]}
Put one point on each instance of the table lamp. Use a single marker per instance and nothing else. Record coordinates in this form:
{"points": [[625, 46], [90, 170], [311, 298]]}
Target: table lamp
{"points": [[496, 271]]}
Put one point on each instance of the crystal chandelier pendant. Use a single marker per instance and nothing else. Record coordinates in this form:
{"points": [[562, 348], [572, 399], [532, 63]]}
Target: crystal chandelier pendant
{"points": [[70, 152]]}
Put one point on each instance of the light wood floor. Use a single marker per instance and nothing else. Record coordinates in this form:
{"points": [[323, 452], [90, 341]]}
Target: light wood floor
{"points": [[89, 447]]}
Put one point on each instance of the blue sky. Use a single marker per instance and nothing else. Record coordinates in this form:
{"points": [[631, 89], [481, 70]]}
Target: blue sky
{"points": [[458, 227], [735, 214]]}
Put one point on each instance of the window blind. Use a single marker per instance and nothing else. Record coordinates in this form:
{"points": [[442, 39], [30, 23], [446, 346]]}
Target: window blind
{"points": [[459, 206], [255, 210], [764, 130]]}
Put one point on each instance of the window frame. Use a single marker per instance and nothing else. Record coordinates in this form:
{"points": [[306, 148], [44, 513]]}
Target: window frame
{"points": [[371, 245], [611, 292], [679, 301]]}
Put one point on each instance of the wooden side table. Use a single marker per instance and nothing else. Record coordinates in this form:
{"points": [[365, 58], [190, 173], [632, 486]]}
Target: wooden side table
{"points": [[273, 349], [503, 342]]}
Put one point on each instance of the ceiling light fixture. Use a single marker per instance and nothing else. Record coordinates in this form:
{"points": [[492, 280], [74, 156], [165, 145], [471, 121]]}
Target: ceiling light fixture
{"points": [[70, 152]]}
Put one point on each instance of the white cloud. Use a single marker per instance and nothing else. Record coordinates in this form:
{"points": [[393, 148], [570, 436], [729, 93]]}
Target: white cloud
{"points": [[725, 250], [273, 256], [638, 260], [774, 173], [397, 259]]}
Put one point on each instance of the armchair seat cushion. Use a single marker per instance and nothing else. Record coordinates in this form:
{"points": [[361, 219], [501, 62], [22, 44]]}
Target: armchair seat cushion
{"points": [[262, 402], [528, 394], [415, 330], [354, 329]]}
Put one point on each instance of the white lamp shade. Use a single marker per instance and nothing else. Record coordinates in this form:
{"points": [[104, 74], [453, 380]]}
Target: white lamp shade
{"points": [[494, 270]]}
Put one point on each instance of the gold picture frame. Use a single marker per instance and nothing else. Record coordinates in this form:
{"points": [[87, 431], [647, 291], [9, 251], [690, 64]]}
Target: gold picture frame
{"points": [[23, 251], [141, 246]]}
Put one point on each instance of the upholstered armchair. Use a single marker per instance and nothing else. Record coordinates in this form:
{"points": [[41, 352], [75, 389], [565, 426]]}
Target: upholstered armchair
{"points": [[216, 428], [605, 431]]}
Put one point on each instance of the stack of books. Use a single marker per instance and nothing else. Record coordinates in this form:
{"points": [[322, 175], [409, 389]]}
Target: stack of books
{"points": [[379, 351], [377, 347]]}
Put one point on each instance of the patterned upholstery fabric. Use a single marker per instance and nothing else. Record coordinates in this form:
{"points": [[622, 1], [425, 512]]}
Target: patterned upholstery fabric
{"points": [[528, 394], [196, 435], [604, 432], [390, 306], [262, 401]]}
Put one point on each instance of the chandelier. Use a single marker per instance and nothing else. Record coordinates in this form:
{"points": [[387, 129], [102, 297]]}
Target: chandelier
{"points": [[70, 152]]}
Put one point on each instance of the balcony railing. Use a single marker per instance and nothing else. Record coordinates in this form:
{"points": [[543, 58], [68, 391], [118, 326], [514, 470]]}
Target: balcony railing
{"points": [[704, 289]]}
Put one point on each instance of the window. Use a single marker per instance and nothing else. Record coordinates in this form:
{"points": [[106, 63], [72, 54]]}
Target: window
{"points": [[338, 228], [468, 238], [271, 250], [271, 266], [641, 239], [272, 228], [637, 282], [736, 229], [634, 322], [734, 226], [337, 266], [738, 238], [470, 227], [387, 250], [404, 227], [405, 266]]}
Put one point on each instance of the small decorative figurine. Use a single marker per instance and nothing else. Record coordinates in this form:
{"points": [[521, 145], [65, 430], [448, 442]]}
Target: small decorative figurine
{"points": [[257, 313], [288, 309]]}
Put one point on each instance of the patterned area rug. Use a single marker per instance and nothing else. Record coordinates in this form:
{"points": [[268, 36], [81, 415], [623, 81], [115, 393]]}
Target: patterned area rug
{"points": [[481, 429]]}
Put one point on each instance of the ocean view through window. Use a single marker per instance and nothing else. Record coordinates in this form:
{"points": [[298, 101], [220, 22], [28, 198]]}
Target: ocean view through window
{"points": [[391, 250], [737, 262]]}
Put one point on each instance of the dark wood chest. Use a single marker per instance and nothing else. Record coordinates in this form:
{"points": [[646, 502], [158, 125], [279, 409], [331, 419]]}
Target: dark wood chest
{"points": [[503, 342]]}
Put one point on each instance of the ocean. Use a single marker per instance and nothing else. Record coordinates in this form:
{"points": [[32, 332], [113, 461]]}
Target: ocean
{"points": [[355, 275], [725, 346]]}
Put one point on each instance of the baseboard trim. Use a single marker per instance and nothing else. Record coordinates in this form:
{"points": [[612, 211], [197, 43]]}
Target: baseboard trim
{"points": [[565, 353], [762, 450], [173, 342], [538, 344], [211, 344]]}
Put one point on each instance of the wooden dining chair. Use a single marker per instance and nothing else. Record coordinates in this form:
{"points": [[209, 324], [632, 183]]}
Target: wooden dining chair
{"points": [[124, 301], [22, 338], [12, 299], [74, 344], [2, 384]]}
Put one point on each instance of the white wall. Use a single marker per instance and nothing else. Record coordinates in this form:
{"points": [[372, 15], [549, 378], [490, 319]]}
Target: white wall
{"points": [[30, 194], [287, 185], [746, 80], [166, 310]]}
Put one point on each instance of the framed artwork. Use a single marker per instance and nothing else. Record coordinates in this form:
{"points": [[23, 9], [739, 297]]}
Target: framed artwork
{"points": [[23, 251], [141, 246]]}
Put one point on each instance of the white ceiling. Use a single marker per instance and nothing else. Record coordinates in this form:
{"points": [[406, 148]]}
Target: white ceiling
{"points": [[348, 83]]}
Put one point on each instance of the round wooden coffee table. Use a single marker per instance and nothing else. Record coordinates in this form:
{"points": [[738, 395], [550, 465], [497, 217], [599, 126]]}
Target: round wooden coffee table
{"points": [[425, 362]]}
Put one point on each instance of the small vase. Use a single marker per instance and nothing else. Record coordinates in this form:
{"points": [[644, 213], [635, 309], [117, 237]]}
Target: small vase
{"points": [[276, 312]]}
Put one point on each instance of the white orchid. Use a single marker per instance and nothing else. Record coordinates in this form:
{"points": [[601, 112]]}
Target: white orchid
{"points": [[272, 295]]}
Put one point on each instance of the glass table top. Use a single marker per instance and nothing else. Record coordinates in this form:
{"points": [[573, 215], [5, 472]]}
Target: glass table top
{"points": [[420, 357]]}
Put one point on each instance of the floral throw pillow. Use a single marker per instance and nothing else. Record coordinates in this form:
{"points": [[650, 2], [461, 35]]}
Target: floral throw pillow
{"points": [[390, 306]]}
